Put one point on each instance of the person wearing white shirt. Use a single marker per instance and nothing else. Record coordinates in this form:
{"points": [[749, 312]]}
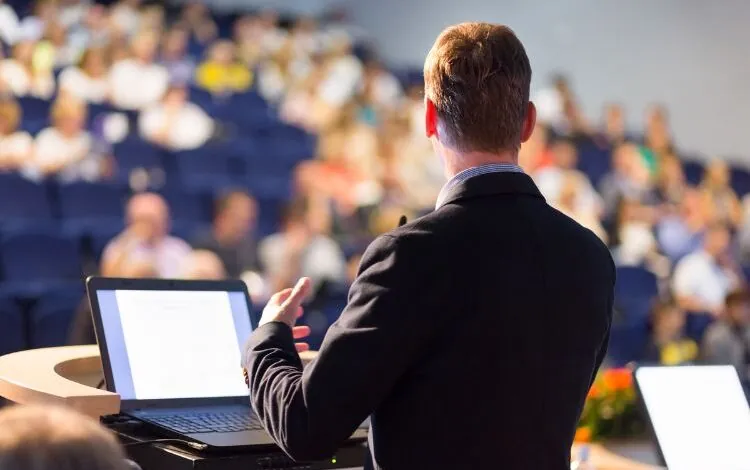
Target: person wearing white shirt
{"points": [[64, 148], [15, 146], [703, 279], [382, 88], [138, 82], [550, 180], [89, 80], [342, 76], [175, 123], [22, 77], [9, 24]]}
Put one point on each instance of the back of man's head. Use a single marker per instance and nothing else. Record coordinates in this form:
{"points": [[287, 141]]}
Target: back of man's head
{"points": [[478, 77], [49, 438]]}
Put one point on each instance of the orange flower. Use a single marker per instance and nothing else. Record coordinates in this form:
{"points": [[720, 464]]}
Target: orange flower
{"points": [[583, 434], [594, 392], [617, 379]]}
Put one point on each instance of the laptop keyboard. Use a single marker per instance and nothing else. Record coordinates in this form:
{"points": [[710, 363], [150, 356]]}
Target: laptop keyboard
{"points": [[194, 423]]}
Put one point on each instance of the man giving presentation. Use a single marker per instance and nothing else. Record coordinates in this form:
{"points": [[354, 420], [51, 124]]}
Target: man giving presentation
{"points": [[472, 334]]}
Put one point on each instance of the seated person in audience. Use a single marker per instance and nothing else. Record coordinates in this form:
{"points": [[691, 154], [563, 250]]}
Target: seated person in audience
{"points": [[146, 240], [9, 25], [743, 234], [175, 123], [43, 12], [681, 233], [348, 167], [221, 72], [232, 235], [342, 72], [629, 179], [137, 82], [203, 265], [34, 437], [54, 47], [703, 279], [281, 72], [667, 343], [82, 326], [15, 146], [93, 31], [633, 242], [196, 19], [381, 87], [573, 184], [658, 136], [671, 184], [174, 56], [66, 149], [123, 17], [22, 76], [719, 195], [550, 179], [614, 128], [302, 248], [89, 80], [727, 341], [151, 18]]}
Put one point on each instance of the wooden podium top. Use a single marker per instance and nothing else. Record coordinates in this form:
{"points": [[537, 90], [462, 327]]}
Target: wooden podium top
{"points": [[69, 375]]}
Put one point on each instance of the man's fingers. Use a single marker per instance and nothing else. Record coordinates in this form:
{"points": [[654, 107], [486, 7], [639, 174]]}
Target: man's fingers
{"points": [[300, 312], [301, 347], [300, 291], [300, 332], [281, 296]]}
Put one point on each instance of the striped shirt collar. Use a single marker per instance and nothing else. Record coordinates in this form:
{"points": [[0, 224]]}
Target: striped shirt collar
{"points": [[472, 172]]}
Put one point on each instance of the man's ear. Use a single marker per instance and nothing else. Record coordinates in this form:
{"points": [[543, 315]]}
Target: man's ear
{"points": [[528, 123], [430, 118]]}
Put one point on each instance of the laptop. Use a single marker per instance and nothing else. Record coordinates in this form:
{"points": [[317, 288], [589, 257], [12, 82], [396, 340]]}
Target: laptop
{"points": [[699, 416], [172, 350]]}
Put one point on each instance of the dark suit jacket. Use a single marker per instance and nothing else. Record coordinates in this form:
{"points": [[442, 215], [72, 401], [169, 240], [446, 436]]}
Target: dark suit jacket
{"points": [[471, 338]]}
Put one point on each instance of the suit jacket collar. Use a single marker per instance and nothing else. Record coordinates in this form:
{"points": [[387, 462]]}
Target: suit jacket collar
{"points": [[491, 184]]}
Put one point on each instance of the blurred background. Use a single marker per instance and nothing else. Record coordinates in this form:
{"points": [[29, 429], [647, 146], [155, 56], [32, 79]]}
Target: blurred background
{"points": [[268, 140]]}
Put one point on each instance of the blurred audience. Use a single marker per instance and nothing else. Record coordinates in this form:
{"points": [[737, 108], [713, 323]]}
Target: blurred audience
{"points": [[718, 196], [703, 278], [727, 340], [138, 81], [65, 149], [668, 345], [222, 72], [232, 235], [21, 75], [146, 244], [174, 56], [302, 248], [55, 438], [15, 145], [175, 123], [89, 80]]}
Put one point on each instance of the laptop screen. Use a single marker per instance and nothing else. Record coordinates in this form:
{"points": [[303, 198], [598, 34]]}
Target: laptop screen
{"points": [[175, 344], [699, 414]]}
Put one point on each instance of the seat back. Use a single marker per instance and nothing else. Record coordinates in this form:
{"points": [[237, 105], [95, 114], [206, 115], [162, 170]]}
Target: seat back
{"points": [[52, 315], [12, 334], [27, 256]]}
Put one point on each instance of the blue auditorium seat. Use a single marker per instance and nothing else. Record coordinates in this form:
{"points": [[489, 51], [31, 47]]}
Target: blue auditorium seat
{"points": [[90, 206], [134, 153], [23, 203], [12, 335], [740, 179], [635, 291], [210, 167], [594, 161], [190, 211], [51, 316], [35, 113], [33, 260], [693, 172]]}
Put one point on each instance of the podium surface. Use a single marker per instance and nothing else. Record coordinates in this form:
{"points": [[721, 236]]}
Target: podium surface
{"points": [[69, 376]]}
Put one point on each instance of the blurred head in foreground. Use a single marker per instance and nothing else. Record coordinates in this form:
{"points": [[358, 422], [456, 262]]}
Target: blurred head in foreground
{"points": [[49, 438], [477, 78]]}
